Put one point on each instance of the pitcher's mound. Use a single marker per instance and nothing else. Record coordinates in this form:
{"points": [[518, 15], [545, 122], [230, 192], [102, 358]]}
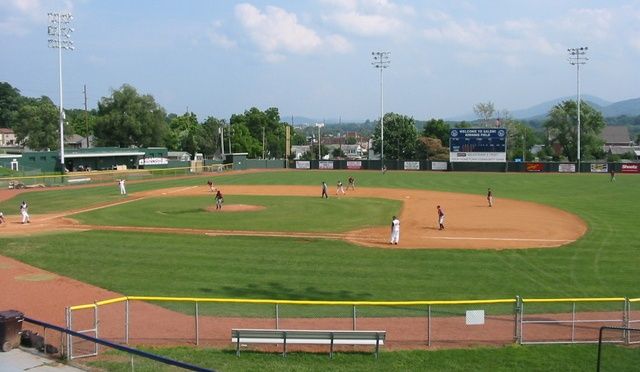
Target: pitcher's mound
{"points": [[236, 208]]}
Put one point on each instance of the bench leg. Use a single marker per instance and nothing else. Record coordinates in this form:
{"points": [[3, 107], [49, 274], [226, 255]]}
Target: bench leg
{"points": [[284, 346], [377, 345], [238, 346], [331, 349]]}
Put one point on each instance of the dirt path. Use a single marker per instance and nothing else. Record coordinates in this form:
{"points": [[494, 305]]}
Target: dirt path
{"points": [[471, 224]]}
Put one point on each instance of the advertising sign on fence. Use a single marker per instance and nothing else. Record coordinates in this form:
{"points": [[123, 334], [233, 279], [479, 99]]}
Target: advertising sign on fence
{"points": [[439, 165], [478, 145], [630, 168], [566, 168], [535, 167], [355, 164], [411, 165], [303, 164], [153, 161], [599, 168], [326, 165]]}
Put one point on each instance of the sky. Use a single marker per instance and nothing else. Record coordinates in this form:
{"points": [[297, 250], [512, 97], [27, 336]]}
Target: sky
{"points": [[314, 58]]}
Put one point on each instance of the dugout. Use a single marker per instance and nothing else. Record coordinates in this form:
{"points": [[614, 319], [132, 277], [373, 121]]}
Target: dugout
{"points": [[102, 158]]}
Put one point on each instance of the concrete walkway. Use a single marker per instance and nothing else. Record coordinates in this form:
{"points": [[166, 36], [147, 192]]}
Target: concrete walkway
{"points": [[22, 360]]}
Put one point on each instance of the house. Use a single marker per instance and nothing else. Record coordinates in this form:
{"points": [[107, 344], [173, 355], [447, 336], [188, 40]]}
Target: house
{"points": [[7, 137], [76, 141], [617, 141]]}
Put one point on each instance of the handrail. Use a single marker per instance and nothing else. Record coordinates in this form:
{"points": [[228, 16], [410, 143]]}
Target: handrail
{"points": [[144, 354]]}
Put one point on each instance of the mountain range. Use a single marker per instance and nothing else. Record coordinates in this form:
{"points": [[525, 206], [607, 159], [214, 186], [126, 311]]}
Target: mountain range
{"points": [[629, 107]]}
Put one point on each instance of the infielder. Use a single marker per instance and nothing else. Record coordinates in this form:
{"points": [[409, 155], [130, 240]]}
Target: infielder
{"points": [[340, 188], [441, 218], [490, 197], [2, 218], [24, 211], [352, 184], [395, 230], [123, 190], [219, 200], [324, 190]]}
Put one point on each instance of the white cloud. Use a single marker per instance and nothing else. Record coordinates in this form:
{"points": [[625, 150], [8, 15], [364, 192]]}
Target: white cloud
{"points": [[589, 23], [218, 38], [19, 17], [368, 17], [278, 32], [506, 37]]}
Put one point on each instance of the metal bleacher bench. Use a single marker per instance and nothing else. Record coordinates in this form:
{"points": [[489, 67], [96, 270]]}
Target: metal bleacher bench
{"points": [[308, 337]]}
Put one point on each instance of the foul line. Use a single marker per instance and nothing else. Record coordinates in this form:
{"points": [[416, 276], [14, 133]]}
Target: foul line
{"points": [[505, 239]]}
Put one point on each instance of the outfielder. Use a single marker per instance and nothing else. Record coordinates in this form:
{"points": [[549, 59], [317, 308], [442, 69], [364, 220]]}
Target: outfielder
{"points": [[395, 230], [324, 190]]}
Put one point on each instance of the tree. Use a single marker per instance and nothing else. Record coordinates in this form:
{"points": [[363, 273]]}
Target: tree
{"points": [[261, 123], [82, 122], [10, 102], [562, 128], [337, 153], [485, 111], [430, 148], [128, 119], [242, 141], [187, 133], [210, 136], [437, 128], [400, 137], [37, 124]]}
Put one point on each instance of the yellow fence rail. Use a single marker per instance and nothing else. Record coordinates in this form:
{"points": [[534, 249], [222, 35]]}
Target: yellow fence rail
{"points": [[546, 321]]}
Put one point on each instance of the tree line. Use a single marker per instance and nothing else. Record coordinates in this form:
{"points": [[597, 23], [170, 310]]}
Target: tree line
{"points": [[127, 118]]}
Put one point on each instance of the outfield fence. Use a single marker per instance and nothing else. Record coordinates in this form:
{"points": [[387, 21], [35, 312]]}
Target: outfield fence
{"points": [[409, 324], [97, 177]]}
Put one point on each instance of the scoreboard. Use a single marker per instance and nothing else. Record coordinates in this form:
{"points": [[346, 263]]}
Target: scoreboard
{"points": [[478, 145]]}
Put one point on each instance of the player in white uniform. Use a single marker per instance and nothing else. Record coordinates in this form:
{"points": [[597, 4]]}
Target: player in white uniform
{"points": [[123, 190], [2, 220], [395, 230], [340, 188], [24, 211]]}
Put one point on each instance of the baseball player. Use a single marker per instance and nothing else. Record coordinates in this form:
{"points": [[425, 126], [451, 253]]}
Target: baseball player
{"points": [[2, 218], [123, 190], [490, 197], [219, 200], [210, 184], [324, 190], [340, 188], [395, 230], [24, 211], [352, 184], [441, 218]]}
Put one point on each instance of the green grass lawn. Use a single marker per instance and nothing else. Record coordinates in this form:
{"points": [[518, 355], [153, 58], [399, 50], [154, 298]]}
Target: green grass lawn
{"points": [[604, 263], [566, 358], [280, 213]]}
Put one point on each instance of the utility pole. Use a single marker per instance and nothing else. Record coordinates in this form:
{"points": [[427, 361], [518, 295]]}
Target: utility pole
{"points": [[86, 118], [381, 60], [577, 58], [60, 38]]}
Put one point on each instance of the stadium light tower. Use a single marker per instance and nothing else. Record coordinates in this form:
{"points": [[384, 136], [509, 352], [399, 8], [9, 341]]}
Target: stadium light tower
{"points": [[577, 58], [60, 38], [381, 60], [319, 125]]}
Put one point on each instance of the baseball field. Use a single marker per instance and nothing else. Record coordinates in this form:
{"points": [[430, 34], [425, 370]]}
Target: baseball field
{"points": [[547, 236]]}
